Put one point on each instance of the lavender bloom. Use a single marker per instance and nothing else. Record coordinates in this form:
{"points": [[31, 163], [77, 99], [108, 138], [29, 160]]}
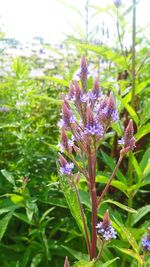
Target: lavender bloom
{"points": [[96, 92], [66, 168], [3, 109], [67, 117], [110, 112], [66, 144], [146, 241], [105, 229], [117, 3], [128, 140], [92, 126], [82, 73]]}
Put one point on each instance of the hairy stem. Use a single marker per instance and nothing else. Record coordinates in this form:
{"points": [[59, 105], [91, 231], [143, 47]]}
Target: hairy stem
{"points": [[109, 182]]}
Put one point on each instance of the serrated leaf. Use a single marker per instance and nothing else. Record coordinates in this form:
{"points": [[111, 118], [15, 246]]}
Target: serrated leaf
{"points": [[118, 204], [140, 214], [9, 177], [4, 223]]}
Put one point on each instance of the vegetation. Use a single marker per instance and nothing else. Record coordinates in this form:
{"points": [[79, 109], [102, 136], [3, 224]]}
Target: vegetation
{"points": [[40, 220]]}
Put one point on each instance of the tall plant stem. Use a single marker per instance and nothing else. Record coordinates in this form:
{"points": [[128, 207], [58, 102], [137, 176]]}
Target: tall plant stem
{"points": [[109, 182], [130, 167], [84, 222], [92, 172]]}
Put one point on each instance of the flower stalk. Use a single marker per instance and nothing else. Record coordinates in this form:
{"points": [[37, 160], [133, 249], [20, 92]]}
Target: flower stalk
{"points": [[94, 114]]}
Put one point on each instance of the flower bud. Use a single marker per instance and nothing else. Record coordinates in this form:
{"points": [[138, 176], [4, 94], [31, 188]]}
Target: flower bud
{"points": [[66, 263], [128, 140]]}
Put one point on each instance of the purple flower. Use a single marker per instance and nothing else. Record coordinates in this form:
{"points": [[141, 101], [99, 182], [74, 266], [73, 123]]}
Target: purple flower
{"points": [[128, 140], [66, 168], [146, 243], [94, 129], [4, 109], [92, 126], [117, 3], [105, 229], [96, 92]]}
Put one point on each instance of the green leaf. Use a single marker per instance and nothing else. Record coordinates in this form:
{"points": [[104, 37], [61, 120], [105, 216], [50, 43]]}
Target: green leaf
{"points": [[9, 177], [109, 161], [17, 199], [143, 131], [140, 214], [132, 254], [126, 234], [36, 260], [72, 201], [108, 263], [118, 204], [4, 223], [56, 80], [137, 167], [117, 184], [131, 112], [145, 160], [76, 254], [83, 263]]}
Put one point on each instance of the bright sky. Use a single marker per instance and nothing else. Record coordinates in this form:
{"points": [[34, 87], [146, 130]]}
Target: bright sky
{"points": [[24, 19]]}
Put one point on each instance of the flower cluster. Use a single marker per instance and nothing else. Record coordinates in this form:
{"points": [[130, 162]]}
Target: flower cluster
{"points": [[87, 115], [66, 168], [146, 241], [105, 229]]}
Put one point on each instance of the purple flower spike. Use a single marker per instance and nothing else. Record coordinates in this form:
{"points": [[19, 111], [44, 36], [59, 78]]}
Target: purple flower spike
{"points": [[66, 144], [146, 241], [92, 126], [66, 168], [82, 73], [105, 229], [67, 116], [96, 93], [128, 140]]}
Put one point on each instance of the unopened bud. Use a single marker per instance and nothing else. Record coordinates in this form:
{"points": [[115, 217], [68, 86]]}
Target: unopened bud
{"points": [[66, 263], [106, 219]]}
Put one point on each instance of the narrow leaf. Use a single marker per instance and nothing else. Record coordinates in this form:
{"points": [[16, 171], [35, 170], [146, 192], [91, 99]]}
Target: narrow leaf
{"points": [[118, 204], [140, 214], [4, 223]]}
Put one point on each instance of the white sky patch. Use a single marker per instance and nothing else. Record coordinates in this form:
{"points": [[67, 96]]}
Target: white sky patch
{"points": [[24, 19]]}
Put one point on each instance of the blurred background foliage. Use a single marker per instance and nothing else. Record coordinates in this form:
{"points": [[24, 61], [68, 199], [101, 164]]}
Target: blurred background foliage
{"points": [[36, 225]]}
